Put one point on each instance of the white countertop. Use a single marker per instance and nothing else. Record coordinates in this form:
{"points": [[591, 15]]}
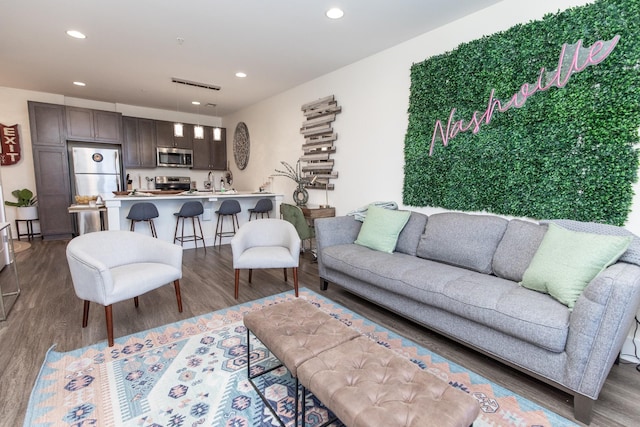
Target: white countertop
{"points": [[211, 195]]}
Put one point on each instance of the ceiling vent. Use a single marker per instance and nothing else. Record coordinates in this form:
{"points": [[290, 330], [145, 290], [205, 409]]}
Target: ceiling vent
{"points": [[195, 84]]}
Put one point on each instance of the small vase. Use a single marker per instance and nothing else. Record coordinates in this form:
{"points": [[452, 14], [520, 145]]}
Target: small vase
{"points": [[301, 195]]}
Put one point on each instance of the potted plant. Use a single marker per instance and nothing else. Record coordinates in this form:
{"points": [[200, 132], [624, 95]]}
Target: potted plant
{"points": [[300, 194], [26, 206]]}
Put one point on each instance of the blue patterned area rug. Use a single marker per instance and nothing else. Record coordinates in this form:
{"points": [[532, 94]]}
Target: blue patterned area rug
{"points": [[193, 373]]}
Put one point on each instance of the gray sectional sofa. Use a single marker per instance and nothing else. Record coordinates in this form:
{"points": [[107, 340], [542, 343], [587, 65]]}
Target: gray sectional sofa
{"points": [[459, 274]]}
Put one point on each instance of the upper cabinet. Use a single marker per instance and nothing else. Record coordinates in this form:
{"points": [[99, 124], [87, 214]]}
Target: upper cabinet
{"points": [[139, 144], [220, 152], [85, 124], [209, 154], [166, 138], [47, 124]]}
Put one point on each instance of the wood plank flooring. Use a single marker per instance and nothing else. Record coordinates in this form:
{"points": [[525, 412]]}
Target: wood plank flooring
{"points": [[48, 313]]}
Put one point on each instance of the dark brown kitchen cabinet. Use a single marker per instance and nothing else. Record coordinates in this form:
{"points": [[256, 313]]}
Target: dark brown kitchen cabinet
{"points": [[202, 150], [209, 154], [84, 124], [165, 137], [53, 190], [51, 165], [47, 124], [139, 143], [220, 152]]}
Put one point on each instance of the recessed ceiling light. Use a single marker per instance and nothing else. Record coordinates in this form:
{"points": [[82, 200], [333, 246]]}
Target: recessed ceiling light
{"points": [[335, 13], [195, 102], [76, 34], [79, 83], [241, 74]]}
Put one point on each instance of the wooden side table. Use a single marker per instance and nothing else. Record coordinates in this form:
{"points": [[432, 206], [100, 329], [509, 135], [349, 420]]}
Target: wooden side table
{"points": [[312, 213]]}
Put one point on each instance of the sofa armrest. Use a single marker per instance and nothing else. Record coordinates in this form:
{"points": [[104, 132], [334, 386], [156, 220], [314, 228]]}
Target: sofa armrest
{"points": [[334, 231], [599, 324]]}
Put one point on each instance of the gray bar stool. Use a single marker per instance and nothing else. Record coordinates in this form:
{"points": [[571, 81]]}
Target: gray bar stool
{"points": [[230, 208], [143, 212], [264, 206], [189, 210]]}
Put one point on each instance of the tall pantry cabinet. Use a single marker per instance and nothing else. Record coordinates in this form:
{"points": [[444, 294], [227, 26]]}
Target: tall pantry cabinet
{"points": [[53, 185]]}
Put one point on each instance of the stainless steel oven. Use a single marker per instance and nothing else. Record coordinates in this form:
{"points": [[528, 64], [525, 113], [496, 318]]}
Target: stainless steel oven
{"points": [[173, 183]]}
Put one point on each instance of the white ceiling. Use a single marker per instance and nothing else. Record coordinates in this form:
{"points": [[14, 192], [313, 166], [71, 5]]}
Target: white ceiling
{"points": [[132, 51]]}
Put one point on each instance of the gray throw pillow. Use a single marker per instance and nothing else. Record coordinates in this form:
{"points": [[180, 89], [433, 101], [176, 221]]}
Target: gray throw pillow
{"points": [[411, 233], [463, 240], [517, 248]]}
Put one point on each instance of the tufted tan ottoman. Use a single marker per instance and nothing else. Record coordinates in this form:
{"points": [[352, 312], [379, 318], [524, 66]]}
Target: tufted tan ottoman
{"points": [[365, 384], [294, 331]]}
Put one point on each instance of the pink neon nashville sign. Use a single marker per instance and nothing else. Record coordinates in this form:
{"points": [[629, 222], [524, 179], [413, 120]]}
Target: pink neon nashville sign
{"points": [[573, 58]]}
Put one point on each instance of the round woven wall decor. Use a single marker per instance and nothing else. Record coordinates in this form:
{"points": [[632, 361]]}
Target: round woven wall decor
{"points": [[241, 145]]}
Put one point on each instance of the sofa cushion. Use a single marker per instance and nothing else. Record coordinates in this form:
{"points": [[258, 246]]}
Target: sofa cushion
{"points": [[567, 261], [410, 234], [464, 240], [517, 248], [381, 228], [497, 303]]}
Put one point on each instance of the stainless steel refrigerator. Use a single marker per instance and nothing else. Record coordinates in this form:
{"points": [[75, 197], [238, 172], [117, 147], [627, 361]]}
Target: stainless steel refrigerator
{"points": [[95, 171]]}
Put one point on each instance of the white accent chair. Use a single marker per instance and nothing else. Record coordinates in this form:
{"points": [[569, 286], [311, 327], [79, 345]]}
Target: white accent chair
{"points": [[266, 243], [112, 266]]}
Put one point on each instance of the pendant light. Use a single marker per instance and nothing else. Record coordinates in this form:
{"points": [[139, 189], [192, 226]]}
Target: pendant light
{"points": [[178, 128], [198, 130], [217, 131]]}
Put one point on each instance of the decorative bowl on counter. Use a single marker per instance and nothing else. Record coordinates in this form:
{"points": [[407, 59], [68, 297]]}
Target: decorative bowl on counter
{"points": [[85, 200]]}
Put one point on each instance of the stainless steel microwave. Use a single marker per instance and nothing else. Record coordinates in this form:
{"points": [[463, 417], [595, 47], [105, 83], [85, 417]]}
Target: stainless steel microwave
{"points": [[175, 157]]}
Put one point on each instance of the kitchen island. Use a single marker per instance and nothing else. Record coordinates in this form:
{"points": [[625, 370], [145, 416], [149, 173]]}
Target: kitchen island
{"points": [[168, 204]]}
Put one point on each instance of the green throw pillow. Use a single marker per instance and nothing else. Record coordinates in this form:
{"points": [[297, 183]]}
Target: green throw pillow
{"points": [[567, 261], [381, 228]]}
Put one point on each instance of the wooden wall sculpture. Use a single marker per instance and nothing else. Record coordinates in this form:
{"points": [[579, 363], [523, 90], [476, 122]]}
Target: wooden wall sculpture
{"points": [[319, 142]]}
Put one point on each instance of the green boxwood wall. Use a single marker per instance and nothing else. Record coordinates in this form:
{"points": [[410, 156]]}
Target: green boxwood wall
{"points": [[567, 153]]}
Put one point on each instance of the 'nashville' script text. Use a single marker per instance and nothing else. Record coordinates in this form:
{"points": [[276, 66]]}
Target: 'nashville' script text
{"points": [[573, 58]]}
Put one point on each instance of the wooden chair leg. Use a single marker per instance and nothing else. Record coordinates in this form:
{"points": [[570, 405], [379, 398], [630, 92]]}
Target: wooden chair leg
{"points": [[135, 301], [237, 283], [285, 274], [250, 274], [176, 285], [295, 280], [109, 316], [85, 314]]}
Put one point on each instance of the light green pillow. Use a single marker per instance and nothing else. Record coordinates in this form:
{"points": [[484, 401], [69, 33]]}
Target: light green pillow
{"points": [[381, 228], [567, 261]]}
